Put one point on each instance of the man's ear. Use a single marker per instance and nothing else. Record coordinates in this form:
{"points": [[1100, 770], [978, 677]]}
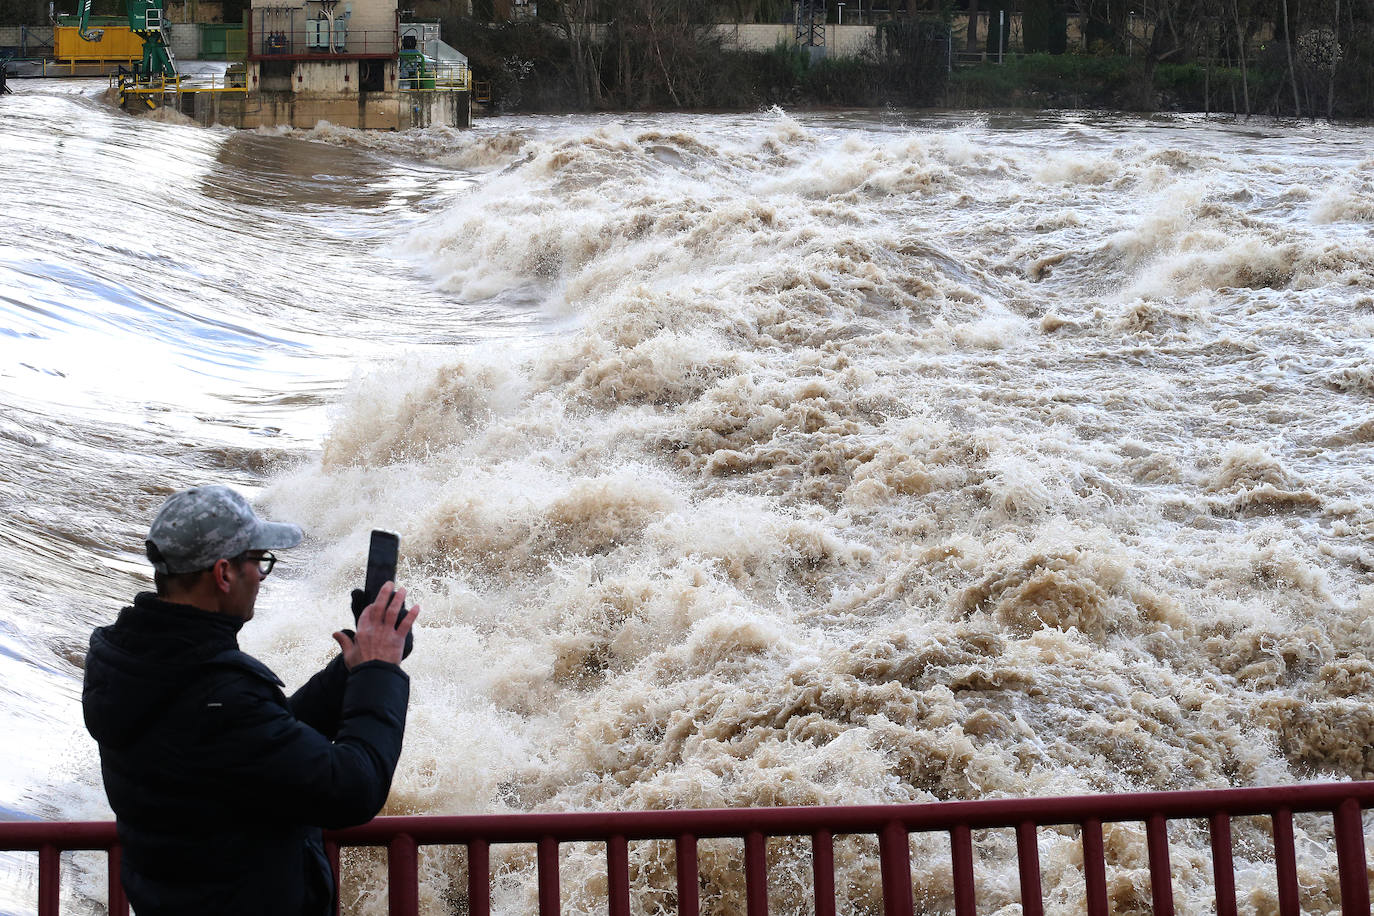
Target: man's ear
{"points": [[220, 574]]}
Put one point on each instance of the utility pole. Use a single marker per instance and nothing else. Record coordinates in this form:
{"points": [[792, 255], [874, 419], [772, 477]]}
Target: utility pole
{"points": [[810, 25]]}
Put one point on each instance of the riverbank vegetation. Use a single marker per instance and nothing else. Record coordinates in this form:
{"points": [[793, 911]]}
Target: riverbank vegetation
{"points": [[532, 67], [1306, 58], [1315, 59]]}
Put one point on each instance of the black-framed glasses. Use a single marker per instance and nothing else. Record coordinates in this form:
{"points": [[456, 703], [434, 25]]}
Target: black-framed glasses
{"points": [[265, 562]]}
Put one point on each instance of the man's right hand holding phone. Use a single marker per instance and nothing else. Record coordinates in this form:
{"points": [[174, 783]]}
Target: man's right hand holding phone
{"points": [[379, 636]]}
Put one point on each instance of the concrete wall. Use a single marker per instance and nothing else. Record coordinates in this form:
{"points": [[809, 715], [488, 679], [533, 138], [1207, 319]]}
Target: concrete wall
{"points": [[193, 11], [368, 16], [840, 40], [30, 41], [372, 15], [375, 110], [318, 79], [436, 109], [326, 78], [852, 40], [184, 39], [371, 110]]}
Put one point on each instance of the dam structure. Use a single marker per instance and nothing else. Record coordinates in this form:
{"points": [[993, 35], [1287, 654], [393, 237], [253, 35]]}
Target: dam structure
{"points": [[353, 64]]}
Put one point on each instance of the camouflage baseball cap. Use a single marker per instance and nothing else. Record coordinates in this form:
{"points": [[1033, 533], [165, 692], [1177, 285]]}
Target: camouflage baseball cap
{"points": [[197, 527]]}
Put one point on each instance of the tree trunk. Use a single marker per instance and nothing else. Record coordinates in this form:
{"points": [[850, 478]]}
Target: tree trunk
{"points": [[1335, 60], [1292, 73], [1207, 87], [1240, 45], [663, 67], [577, 53]]}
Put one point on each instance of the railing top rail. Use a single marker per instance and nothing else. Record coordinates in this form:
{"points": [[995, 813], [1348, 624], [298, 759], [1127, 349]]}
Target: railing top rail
{"points": [[33, 835], [727, 822], [733, 822]]}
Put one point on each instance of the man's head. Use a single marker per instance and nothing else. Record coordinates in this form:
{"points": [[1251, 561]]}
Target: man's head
{"points": [[207, 548]]}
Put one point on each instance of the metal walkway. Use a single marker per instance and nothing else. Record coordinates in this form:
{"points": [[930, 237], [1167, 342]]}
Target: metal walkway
{"points": [[892, 824]]}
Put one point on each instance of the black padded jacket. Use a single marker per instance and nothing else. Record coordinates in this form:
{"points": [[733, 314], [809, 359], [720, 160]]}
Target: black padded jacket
{"points": [[219, 783]]}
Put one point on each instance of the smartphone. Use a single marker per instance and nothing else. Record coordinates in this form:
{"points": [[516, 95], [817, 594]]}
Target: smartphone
{"points": [[381, 563], [381, 569]]}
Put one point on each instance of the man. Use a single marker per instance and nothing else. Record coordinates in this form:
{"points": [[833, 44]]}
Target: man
{"points": [[219, 783]]}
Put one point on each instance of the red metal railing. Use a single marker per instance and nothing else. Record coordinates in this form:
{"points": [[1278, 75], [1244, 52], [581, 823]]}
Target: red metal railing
{"points": [[892, 824]]}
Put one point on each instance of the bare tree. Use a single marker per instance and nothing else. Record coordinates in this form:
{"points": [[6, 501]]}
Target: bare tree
{"points": [[1241, 33], [665, 51], [1292, 72], [575, 19]]}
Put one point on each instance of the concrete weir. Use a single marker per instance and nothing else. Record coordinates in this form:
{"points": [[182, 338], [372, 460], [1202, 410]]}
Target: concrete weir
{"points": [[396, 110]]}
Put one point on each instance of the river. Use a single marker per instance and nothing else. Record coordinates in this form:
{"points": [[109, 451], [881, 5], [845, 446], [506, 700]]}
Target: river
{"points": [[752, 459]]}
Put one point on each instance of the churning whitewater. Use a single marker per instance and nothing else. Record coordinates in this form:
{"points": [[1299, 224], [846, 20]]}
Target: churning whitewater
{"points": [[855, 459], [885, 465]]}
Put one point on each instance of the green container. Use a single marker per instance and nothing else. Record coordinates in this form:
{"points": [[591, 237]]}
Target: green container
{"points": [[235, 43], [223, 42]]}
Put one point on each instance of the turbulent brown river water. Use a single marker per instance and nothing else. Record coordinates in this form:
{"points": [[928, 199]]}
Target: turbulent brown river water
{"points": [[763, 459]]}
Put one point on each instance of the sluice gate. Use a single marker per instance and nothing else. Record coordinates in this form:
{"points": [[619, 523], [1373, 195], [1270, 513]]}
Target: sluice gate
{"points": [[893, 826]]}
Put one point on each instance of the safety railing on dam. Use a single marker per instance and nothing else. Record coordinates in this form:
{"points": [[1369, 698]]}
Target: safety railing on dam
{"points": [[449, 78], [891, 824]]}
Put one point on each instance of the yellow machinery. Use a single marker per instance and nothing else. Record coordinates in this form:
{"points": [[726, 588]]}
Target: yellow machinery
{"points": [[118, 45]]}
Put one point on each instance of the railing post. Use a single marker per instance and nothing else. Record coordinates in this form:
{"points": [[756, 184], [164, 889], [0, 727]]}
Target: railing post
{"points": [[1094, 867], [548, 877], [756, 874], [1223, 864], [119, 903], [49, 879], [894, 852], [961, 853], [688, 880], [618, 875], [403, 876], [1286, 863], [331, 852], [1350, 859], [1028, 864], [1161, 884], [823, 872], [479, 878]]}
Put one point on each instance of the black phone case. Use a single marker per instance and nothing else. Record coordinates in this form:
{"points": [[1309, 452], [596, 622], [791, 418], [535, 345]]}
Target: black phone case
{"points": [[382, 555], [383, 551]]}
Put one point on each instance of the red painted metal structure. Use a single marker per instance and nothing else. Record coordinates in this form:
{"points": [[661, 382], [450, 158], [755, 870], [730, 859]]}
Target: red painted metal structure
{"points": [[892, 824]]}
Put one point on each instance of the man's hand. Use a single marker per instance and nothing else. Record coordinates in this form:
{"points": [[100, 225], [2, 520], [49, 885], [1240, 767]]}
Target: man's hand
{"points": [[378, 637]]}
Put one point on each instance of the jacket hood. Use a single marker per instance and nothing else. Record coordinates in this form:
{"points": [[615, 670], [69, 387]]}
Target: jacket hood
{"points": [[143, 661]]}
